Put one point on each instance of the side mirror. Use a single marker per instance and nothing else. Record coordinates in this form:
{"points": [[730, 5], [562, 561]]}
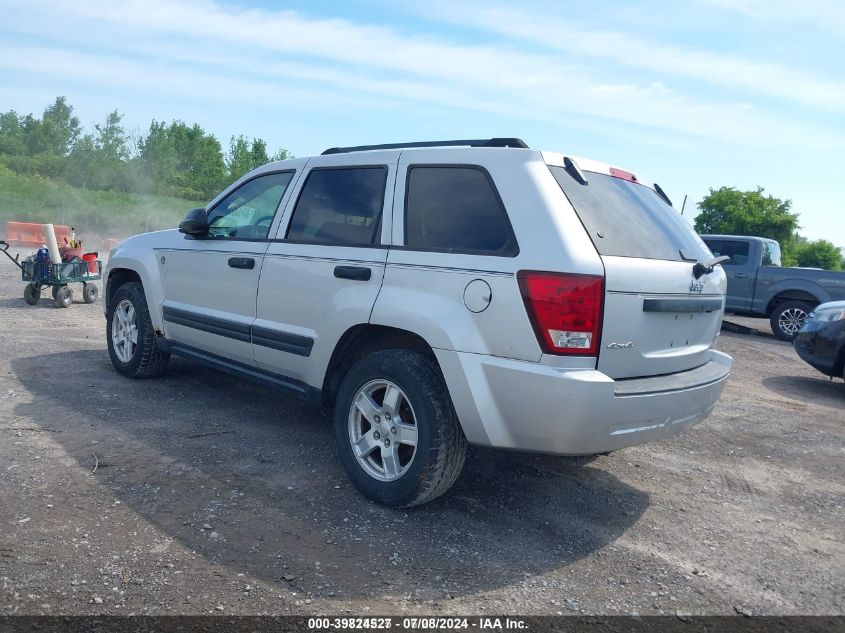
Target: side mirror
{"points": [[195, 223]]}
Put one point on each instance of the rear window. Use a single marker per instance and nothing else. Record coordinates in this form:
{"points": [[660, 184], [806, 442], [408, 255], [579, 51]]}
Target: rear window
{"points": [[456, 209], [771, 254], [737, 250], [625, 219]]}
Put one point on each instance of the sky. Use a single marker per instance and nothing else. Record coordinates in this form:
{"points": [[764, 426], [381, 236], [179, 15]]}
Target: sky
{"points": [[693, 95]]}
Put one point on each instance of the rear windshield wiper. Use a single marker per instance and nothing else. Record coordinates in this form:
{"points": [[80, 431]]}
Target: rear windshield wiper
{"points": [[573, 170], [705, 268], [662, 194]]}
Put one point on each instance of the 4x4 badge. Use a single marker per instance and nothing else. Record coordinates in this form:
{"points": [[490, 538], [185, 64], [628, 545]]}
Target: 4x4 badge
{"points": [[696, 286], [628, 345]]}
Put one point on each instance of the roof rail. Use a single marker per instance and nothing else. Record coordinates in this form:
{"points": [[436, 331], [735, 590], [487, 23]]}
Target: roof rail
{"points": [[489, 142]]}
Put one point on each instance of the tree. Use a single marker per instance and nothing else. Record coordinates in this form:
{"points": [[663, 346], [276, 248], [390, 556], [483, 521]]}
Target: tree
{"points": [[55, 133], [183, 160], [818, 254], [173, 158], [111, 138], [98, 161], [82, 162], [12, 140], [244, 157], [282, 154], [728, 211]]}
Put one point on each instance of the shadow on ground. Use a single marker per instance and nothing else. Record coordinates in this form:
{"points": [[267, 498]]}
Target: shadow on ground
{"points": [[820, 390], [199, 447]]}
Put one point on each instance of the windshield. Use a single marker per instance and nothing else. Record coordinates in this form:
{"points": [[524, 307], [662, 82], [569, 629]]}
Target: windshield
{"points": [[626, 219]]}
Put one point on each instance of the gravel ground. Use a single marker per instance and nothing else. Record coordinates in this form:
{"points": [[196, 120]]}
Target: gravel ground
{"points": [[199, 493]]}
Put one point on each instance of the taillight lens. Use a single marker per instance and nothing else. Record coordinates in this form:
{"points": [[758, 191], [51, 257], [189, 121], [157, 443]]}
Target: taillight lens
{"points": [[565, 310]]}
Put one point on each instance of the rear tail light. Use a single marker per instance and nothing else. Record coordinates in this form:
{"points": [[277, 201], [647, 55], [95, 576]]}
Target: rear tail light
{"points": [[565, 310]]}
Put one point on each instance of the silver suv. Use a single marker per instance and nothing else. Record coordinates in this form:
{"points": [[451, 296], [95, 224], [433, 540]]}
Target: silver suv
{"points": [[437, 295]]}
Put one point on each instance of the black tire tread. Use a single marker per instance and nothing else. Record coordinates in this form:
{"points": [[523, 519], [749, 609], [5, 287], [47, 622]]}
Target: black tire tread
{"points": [[450, 444], [90, 293], [153, 361], [31, 294], [447, 453], [64, 297]]}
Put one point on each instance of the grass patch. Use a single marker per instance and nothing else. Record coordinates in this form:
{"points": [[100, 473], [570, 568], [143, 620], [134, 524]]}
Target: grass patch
{"points": [[101, 213]]}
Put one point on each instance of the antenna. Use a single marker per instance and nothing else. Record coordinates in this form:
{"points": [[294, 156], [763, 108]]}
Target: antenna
{"points": [[684, 204]]}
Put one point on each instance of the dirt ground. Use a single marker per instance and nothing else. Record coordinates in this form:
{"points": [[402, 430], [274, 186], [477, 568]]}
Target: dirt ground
{"points": [[213, 495]]}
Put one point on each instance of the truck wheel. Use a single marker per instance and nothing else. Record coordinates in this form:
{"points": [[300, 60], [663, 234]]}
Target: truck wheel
{"points": [[89, 293], [31, 294], [130, 335], [64, 296], [788, 317], [396, 431]]}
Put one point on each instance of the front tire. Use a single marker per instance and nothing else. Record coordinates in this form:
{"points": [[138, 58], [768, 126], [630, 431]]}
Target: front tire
{"points": [[130, 335], [788, 317], [397, 434]]}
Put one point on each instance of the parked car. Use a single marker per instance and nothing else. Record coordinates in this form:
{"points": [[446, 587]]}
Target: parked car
{"points": [[758, 286], [821, 340], [437, 295]]}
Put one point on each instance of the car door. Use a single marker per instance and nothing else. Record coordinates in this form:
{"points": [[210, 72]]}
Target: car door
{"points": [[738, 269], [210, 283], [322, 273]]}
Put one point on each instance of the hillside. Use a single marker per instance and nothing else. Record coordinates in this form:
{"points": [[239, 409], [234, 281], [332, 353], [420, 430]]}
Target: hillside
{"points": [[93, 213]]}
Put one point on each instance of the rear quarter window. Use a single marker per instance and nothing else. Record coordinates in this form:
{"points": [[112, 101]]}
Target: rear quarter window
{"points": [[456, 209]]}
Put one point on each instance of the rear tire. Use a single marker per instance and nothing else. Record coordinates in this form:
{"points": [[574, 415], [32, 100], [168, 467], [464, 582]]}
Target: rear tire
{"points": [[788, 317], [31, 294], [64, 296], [373, 446], [130, 336]]}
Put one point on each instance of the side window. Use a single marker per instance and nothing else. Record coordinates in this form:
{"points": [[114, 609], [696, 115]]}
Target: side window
{"points": [[456, 209], [771, 254], [340, 206], [248, 211], [737, 251]]}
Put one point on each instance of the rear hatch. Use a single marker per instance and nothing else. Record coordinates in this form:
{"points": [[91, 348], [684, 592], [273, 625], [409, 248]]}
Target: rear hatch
{"points": [[658, 317]]}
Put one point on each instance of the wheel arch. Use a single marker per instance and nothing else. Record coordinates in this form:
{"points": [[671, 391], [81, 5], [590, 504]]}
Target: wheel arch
{"points": [[361, 340], [117, 277], [791, 295]]}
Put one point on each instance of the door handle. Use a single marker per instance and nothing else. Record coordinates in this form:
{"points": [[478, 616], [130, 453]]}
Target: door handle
{"points": [[247, 263], [358, 273], [740, 275]]}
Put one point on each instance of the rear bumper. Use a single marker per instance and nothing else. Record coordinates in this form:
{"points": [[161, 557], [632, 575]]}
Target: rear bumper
{"points": [[527, 406]]}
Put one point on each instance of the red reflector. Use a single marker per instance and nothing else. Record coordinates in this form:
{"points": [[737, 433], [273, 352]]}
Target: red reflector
{"points": [[565, 310], [624, 175]]}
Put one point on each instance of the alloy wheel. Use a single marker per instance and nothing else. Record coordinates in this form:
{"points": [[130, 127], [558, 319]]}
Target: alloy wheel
{"points": [[383, 430], [791, 320], [124, 331]]}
